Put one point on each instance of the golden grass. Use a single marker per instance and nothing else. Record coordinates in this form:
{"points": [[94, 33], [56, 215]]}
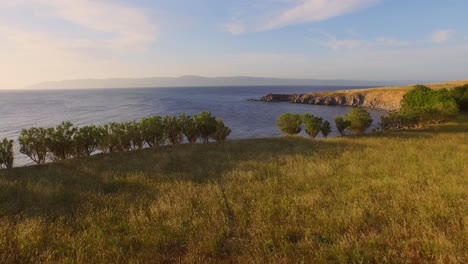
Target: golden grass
{"points": [[397, 197]]}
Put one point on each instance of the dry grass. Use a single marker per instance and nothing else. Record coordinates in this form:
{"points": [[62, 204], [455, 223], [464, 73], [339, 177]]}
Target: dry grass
{"points": [[385, 197]]}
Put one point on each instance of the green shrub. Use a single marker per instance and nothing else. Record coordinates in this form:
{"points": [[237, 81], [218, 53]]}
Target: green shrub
{"points": [[290, 124], [174, 129], [313, 125], [190, 128], [460, 94], [359, 120], [134, 133], [430, 106], [105, 142], [61, 141], [33, 143], [6, 154], [87, 140], [206, 124], [221, 132], [114, 138], [341, 125], [400, 121], [153, 131], [326, 129]]}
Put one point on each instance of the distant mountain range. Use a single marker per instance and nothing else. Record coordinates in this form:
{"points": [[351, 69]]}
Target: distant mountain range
{"points": [[193, 81]]}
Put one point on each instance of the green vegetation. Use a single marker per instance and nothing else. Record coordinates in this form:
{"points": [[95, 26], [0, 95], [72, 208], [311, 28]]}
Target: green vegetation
{"points": [[313, 125], [341, 125], [430, 106], [460, 94], [359, 120], [422, 106], [221, 132], [33, 143], [283, 200], [326, 129], [6, 154], [66, 141], [290, 124]]}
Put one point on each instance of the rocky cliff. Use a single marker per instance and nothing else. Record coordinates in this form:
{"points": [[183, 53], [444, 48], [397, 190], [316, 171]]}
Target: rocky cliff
{"points": [[384, 99]]}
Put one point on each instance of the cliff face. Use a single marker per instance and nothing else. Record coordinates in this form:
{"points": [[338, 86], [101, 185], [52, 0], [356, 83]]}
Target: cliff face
{"points": [[389, 100]]}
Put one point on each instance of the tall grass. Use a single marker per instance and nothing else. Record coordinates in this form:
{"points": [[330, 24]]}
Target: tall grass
{"points": [[397, 197]]}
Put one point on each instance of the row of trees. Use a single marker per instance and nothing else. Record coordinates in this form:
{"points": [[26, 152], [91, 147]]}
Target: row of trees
{"points": [[357, 120], [66, 141], [422, 106]]}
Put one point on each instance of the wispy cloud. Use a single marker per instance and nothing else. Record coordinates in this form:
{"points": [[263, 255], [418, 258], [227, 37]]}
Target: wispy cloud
{"points": [[441, 36], [125, 26], [71, 39], [333, 42], [297, 12]]}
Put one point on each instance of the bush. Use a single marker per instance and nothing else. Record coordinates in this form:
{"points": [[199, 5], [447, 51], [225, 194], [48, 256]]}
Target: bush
{"points": [[430, 106], [66, 141], [359, 120], [6, 154], [33, 143], [174, 129], [398, 121], [87, 140], [460, 94], [190, 128], [221, 132], [206, 124], [326, 129], [61, 141], [312, 124], [153, 131], [134, 132], [290, 124], [341, 125]]}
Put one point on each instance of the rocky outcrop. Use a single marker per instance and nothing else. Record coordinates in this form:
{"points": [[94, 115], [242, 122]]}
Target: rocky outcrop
{"points": [[389, 100]]}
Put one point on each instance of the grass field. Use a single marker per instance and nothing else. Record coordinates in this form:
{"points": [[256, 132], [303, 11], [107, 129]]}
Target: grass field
{"points": [[397, 197]]}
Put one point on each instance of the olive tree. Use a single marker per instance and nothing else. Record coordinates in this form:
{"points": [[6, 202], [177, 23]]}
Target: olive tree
{"points": [[87, 140], [189, 127], [206, 124], [33, 143], [61, 141], [221, 132], [154, 133], [312, 125], [289, 123], [6, 154], [174, 129], [359, 120], [326, 129], [341, 125]]}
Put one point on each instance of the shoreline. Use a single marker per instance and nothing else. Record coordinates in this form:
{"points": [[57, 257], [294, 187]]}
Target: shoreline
{"points": [[379, 98]]}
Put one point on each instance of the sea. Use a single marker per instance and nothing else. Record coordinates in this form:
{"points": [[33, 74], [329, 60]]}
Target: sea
{"points": [[20, 109]]}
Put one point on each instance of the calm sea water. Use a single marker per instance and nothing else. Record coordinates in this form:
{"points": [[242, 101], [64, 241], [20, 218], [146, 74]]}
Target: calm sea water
{"points": [[24, 109]]}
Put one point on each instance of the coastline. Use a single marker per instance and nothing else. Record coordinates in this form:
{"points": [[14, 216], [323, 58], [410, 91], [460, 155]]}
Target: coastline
{"points": [[384, 98]]}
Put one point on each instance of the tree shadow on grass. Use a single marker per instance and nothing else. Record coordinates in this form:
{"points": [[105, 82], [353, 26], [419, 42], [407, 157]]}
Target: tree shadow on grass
{"points": [[62, 188]]}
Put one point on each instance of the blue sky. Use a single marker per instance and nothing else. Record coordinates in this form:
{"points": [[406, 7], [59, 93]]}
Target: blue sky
{"points": [[42, 40]]}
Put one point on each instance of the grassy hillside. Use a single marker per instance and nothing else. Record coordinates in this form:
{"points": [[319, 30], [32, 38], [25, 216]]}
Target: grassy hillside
{"points": [[386, 197], [385, 98]]}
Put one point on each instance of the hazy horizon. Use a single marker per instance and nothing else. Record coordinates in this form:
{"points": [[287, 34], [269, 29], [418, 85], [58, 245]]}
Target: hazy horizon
{"points": [[371, 40], [204, 81]]}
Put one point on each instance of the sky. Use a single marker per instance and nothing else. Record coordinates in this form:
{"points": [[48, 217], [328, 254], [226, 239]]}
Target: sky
{"points": [[51, 40]]}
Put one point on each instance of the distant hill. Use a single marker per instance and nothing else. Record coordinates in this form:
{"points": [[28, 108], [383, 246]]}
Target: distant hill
{"points": [[188, 81]]}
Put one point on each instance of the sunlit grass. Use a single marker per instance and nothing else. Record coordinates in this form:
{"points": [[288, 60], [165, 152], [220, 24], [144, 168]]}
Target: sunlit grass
{"points": [[385, 197]]}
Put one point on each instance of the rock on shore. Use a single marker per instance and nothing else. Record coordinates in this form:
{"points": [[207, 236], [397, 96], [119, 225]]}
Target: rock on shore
{"points": [[384, 99]]}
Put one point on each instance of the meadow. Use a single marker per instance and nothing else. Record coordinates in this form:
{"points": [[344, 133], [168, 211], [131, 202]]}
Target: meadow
{"points": [[384, 197]]}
